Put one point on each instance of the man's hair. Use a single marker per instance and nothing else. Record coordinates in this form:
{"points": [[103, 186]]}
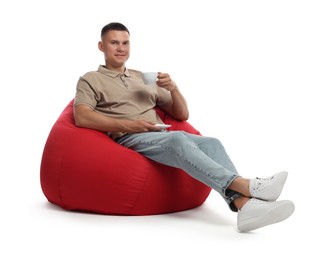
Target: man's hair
{"points": [[113, 27]]}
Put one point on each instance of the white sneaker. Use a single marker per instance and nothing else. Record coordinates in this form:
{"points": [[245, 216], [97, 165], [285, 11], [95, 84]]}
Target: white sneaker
{"points": [[269, 188], [258, 213]]}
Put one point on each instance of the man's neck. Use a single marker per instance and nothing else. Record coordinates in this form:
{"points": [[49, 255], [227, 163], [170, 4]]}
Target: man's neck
{"points": [[117, 69]]}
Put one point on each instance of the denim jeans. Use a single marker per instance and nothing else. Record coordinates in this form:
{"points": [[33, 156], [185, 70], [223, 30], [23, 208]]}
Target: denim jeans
{"points": [[203, 158]]}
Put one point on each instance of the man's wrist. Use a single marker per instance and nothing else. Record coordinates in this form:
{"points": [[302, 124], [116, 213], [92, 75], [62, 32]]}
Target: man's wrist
{"points": [[173, 86]]}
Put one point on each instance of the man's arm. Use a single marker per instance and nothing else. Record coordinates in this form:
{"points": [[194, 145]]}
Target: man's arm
{"points": [[178, 108], [85, 117]]}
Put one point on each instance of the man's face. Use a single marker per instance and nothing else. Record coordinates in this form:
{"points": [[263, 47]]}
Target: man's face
{"points": [[116, 48]]}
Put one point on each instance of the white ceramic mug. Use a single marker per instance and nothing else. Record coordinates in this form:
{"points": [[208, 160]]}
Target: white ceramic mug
{"points": [[149, 78]]}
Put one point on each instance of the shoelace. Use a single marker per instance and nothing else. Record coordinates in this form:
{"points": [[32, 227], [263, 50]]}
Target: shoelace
{"points": [[262, 183], [265, 179]]}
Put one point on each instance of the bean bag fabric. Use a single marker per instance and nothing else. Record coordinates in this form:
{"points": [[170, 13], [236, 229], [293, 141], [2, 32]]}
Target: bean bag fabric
{"points": [[84, 170]]}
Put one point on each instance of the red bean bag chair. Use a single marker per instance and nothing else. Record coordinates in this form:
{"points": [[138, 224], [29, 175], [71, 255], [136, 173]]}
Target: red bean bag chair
{"points": [[84, 170]]}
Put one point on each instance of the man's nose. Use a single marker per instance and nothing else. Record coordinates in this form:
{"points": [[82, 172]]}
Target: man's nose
{"points": [[120, 48]]}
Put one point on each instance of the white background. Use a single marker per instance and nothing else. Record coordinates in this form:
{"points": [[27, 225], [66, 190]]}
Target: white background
{"points": [[250, 73]]}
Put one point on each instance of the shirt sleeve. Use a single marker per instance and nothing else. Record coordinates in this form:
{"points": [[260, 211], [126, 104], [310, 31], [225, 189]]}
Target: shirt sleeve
{"points": [[85, 94], [163, 97]]}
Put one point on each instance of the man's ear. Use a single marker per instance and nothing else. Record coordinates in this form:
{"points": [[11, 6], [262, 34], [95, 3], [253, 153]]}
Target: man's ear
{"points": [[100, 46]]}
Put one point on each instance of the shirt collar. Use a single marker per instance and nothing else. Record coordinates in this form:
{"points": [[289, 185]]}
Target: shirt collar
{"points": [[112, 73]]}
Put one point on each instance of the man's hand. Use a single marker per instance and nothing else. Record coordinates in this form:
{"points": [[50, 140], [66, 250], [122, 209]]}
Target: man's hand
{"points": [[165, 81], [140, 125]]}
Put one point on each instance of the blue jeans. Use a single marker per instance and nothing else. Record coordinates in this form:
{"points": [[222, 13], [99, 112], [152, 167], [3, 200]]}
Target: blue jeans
{"points": [[203, 158]]}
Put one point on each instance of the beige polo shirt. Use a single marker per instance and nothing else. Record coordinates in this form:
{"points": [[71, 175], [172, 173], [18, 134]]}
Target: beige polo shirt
{"points": [[123, 96]]}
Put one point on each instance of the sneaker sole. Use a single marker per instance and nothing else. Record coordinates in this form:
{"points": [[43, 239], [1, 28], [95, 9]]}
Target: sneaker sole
{"points": [[280, 212]]}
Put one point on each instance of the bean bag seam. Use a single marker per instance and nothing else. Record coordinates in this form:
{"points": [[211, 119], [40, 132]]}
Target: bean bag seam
{"points": [[59, 181], [138, 197]]}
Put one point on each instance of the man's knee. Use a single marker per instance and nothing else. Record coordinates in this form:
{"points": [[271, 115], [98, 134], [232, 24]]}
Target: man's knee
{"points": [[176, 138]]}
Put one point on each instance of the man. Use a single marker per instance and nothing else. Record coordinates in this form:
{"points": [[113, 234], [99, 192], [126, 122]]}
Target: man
{"points": [[116, 101]]}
